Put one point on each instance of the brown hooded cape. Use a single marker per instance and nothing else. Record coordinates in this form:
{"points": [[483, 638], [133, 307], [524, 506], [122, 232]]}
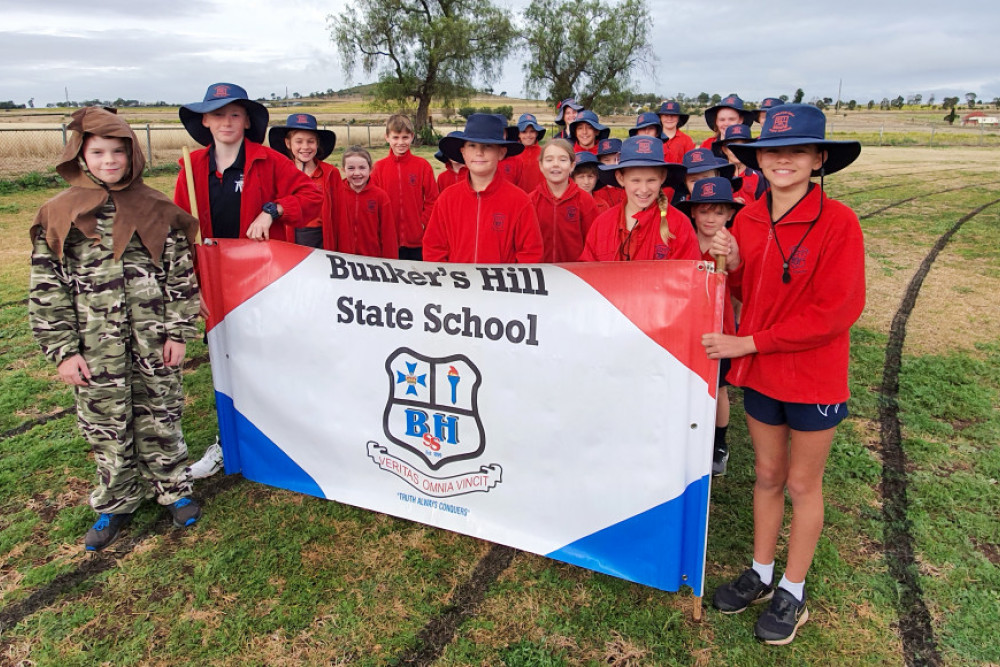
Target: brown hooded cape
{"points": [[139, 208]]}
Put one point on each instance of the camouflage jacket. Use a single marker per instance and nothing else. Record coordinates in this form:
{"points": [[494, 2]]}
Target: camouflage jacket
{"points": [[88, 297]]}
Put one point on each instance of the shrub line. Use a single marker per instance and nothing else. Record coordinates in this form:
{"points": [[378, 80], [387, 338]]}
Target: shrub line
{"points": [[916, 630]]}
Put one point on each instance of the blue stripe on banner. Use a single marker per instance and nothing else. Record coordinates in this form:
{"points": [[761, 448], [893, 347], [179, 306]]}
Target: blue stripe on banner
{"points": [[257, 457], [644, 548]]}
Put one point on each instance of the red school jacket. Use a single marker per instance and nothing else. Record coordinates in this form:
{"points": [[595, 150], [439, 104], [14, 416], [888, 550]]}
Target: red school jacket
{"points": [[448, 178], [563, 222], [800, 328], [268, 176], [511, 169], [497, 225], [607, 198], [370, 220], [608, 237], [531, 171], [675, 147], [409, 182]]}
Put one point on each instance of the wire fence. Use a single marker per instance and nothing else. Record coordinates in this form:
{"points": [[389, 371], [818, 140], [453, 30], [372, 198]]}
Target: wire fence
{"points": [[36, 149], [26, 148]]}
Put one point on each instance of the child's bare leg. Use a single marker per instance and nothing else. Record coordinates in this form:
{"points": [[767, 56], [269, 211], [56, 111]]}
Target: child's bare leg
{"points": [[770, 446], [722, 408], [809, 451]]}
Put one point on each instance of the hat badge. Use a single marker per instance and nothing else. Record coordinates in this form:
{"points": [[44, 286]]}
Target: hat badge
{"points": [[708, 190], [781, 121], [730, 100], [697, 157], [221, 91], [644, 147], [301, 118]]}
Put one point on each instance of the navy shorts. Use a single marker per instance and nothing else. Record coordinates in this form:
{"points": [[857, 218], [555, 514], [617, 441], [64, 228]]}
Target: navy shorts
{"points": [[724, 366], [798, 416]]}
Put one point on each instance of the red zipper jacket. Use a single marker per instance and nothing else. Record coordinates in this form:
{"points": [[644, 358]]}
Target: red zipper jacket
{"points": [[531, 171], [563, 222], [610, 241], [447, 178], [577, 148], [268, 176], [369, 218], [409, 182], [337, 234], [675, 148], [800, 329], [607, 198], [511, 168], [497, 225]]}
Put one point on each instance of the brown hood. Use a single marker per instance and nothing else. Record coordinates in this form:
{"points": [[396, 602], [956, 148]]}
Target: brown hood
{"points": [[139, 208]]}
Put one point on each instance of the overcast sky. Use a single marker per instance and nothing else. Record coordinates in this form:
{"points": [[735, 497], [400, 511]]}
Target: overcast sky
{"points": [[156, 50]]}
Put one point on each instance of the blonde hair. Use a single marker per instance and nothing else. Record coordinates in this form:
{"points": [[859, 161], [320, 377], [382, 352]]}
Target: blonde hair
{"points": [[558, 143], [356, 151], [399, 122]]}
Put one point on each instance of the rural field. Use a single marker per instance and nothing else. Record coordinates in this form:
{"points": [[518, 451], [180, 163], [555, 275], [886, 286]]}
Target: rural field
{"points": [[907, 569]]}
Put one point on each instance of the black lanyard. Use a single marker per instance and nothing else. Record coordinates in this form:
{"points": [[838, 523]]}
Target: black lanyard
{"points": [[786, 276]]}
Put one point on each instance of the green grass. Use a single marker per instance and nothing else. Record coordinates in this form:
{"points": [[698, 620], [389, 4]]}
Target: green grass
{"points": [[271, 577]]}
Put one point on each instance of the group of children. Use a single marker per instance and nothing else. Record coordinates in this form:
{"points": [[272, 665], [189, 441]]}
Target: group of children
{"points": [[114, 295]]}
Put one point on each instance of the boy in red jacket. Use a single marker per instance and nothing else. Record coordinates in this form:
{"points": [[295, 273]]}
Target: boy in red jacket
{"points": [[798, 259], [242, 187], [530, 134], [409, 181], [644, 225], [675, 142], [485, 218]]}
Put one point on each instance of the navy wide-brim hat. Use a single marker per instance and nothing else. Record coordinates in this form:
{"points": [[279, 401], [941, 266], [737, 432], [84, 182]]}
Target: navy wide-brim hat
{"points": [[527, 120], [698, 160], [646, 119], [590, 118], [640, 151], [568, 102], [714, 190], [673, 108], [327, 139], [609, 147], [217, 96], [730, 102], [480, 128], [584, 158], [798, 125]]}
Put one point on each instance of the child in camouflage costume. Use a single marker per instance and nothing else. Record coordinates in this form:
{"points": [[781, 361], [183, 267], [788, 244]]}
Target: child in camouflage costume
{"points": [[113, 301]]}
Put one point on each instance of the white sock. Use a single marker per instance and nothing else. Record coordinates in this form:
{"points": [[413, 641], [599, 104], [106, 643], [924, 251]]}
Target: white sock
{"points": [[765, 572], [798, 590]]}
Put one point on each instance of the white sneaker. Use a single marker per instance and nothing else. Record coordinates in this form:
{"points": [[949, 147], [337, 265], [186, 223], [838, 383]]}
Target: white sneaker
{"points": [[209, 464]]}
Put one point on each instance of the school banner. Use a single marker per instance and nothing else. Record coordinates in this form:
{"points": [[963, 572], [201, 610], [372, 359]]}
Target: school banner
{"points": [[566, 410]]}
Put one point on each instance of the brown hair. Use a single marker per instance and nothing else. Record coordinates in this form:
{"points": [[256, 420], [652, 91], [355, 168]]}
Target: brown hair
{"points": [[557, 143], [399, 122], [356, 151]]}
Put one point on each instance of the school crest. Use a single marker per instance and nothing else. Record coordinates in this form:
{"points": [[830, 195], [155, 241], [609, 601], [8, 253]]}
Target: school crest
{"points": [[780, 121], [499, 219], [433, 408]]}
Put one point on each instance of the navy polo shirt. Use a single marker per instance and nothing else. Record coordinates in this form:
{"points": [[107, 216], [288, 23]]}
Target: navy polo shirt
{"points": [[224, 193]]}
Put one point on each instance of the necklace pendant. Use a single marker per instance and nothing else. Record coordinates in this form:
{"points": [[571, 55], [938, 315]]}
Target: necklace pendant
{"points": [[786, 277]]}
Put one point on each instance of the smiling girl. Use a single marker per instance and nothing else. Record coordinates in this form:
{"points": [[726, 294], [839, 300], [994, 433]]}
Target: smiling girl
{"points": [[565, 212]]}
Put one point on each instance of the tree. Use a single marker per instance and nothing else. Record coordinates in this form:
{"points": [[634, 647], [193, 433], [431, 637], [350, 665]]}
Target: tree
{"points": [[784, 98], [799, 94], [852, 105], [423, 49], [587, 47], [971, 99], [930, 100], [949, 102]]}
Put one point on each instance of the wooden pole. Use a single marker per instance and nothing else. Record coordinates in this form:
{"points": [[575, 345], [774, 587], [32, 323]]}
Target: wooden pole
{"points": [[191, 194], [696, 608]]}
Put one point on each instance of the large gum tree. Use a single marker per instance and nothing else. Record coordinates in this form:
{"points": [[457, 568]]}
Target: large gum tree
{"points": [[424, 50]]}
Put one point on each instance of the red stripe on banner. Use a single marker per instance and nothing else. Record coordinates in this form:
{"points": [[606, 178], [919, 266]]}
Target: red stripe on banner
{"points": [[692, 300], [250, 267]]}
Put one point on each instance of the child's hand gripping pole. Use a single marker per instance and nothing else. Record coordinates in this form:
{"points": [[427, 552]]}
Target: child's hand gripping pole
{"points": [[720, 263], [192, 198]]}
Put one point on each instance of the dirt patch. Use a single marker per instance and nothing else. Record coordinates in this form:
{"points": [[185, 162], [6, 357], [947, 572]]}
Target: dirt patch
{"points": [[991, 551]]}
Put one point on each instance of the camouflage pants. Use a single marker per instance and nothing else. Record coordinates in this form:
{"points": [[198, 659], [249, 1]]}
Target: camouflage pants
{"points": [[132, 422]]}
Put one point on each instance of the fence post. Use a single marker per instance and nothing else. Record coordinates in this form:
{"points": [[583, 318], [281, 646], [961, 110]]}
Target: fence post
{"points": [[369, 126], [931, 142], [149, 146], [64, 133], [880, 131], [348, 134], [982, 131]]}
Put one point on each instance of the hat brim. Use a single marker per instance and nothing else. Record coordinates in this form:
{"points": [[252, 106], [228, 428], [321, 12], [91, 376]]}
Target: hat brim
{"points": [[725, 169], [451, 145], [606, 173], [632, 131], [191, 115], [839, 153], [327, 140], [535, 126], [572, 105]]}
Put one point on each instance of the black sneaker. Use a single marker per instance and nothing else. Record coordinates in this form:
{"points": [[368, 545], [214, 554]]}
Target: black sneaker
{"points": [[783, 617], [105, 531], [720, 460], [185, 512], [734, 597]]}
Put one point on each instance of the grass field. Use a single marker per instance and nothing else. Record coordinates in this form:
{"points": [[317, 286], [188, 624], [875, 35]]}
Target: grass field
{"points": [[907, 570]]}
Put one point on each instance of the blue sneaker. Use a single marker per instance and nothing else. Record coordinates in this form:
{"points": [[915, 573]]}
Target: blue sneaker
{"points": [[785, 615], [185, 512], [105, 531]]}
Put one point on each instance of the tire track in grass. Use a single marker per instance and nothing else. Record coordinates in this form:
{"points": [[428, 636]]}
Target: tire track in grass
{"points": [[894, 204], [189, 365], [8, 304], [62, 585], [898, 185], [915, 628], [465, 603]]}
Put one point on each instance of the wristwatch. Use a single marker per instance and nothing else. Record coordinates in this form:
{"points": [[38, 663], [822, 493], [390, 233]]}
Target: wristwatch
{"points": [[271, 209]]}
